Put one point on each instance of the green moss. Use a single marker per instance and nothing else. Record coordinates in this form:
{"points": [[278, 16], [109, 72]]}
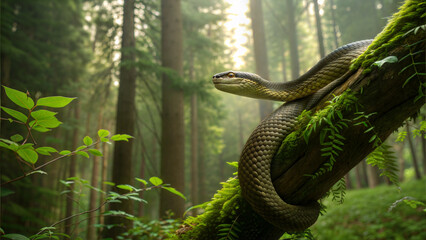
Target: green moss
{"points": [[222, 209], [411, 14]]}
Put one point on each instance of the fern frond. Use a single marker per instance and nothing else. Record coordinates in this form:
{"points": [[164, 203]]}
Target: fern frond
{"points": [[338, 191], [384, 158]]}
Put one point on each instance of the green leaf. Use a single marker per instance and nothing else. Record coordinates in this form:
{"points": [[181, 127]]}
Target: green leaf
{"points": [[19, 98], [95, 152], [142, 181], [15, 236], [28, 155], [45, 150], [54, 102], [103, 133], [40, 129], [49, 122], [5, 192], [64, 152], [109, 183], [121, 137], [87, 140], [16, 114], [84, 154], [390, 59], [105, 140], [174, 191], [125, 187], [156, 181], [81, 147], [234, 164], [42, 114], [2, 144], [17, 138]]}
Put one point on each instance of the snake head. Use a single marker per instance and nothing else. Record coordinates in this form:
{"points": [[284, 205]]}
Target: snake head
{"points": [[239, 83]]}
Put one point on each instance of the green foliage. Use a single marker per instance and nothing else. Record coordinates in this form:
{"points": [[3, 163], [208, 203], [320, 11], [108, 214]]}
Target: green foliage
{"points": [[411, 16], [144, 229], [229, 231], [383, 157], [332, 122], [419, 75], [222, 209], [366, 215]]}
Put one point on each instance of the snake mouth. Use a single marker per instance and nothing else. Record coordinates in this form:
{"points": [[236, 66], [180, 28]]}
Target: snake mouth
{"points": [[223, 81]]}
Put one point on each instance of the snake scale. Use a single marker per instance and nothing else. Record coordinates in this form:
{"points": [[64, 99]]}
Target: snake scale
{"points": [[255, 162]]}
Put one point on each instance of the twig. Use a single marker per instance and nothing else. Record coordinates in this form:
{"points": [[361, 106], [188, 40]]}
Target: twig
{"points": [[50, 162]]}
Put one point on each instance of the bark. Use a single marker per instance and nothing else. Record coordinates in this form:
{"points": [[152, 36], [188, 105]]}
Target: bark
{"points": [[283, 66], [194, 138], [319, 30], [202, 192], [260, 51], [413, 153], [71, 173], [333, 20], [142, 175], [104, 172], [91, 230], [173, 138], [194, 152], [423, 137], [122, 158], [358, 176], [399, 147], [373, 176], [292, 39]]}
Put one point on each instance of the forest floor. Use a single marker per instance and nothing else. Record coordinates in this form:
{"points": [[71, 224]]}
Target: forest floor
{"points": [[365, 214]]}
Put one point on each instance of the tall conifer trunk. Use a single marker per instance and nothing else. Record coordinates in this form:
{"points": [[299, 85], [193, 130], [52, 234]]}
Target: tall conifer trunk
{"points": [[260, 52], [173, 138], [292, 39], [319, 30], [122, 161]]}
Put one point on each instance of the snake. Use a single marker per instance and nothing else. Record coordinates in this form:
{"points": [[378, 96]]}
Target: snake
{"points": [[254, 167]]}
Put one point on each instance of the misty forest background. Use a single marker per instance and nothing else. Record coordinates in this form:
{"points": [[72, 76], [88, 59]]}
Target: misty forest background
{"points": [[144, 68]]}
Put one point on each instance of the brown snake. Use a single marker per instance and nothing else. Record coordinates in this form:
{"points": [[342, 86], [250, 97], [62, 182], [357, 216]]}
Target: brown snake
{"points": [[254, 171]]}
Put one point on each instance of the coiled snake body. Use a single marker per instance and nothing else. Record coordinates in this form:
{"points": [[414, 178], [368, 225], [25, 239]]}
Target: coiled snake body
{"points": [[255, 162]]}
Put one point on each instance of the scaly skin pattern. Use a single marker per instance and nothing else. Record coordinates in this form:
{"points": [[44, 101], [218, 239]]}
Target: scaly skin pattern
{"points": [[255, 162]]}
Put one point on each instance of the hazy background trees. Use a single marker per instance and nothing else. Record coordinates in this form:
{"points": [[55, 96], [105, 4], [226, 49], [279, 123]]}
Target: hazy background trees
{"points": [[156, 86]]}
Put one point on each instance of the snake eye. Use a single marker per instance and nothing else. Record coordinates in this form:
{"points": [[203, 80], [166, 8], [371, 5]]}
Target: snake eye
{"points": [[231, 75]]}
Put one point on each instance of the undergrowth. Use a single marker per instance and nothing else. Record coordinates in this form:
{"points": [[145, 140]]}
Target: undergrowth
{"points": [[380, 213]]}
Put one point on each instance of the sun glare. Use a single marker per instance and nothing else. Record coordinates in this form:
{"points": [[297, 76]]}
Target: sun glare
{"points": [[237, 23]]}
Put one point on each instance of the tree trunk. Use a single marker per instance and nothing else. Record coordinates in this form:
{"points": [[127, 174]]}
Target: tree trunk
{"points": [[348, 181], [333, 20], [194, 138], [91, 230], [423, 139], [72, 168], [122, 161], [142, 175], [373, 176], [104, 173], [173, 138], [194, 152], [260, 51], [283, 65], [319, 30], [413, 153], [292, 39], [358, 176], [202, 193]]}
